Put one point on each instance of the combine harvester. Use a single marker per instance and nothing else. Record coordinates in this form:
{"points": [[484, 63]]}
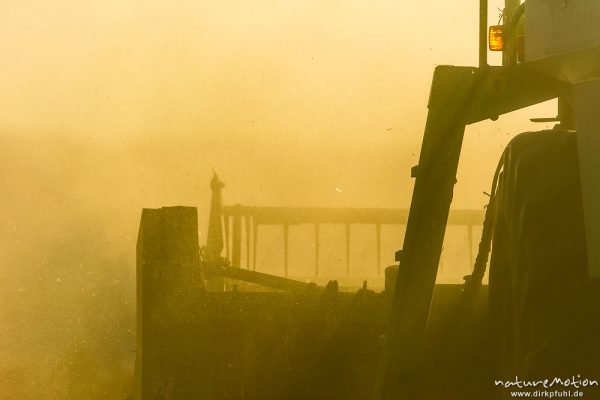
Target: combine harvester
{"points": [[269, 337]]}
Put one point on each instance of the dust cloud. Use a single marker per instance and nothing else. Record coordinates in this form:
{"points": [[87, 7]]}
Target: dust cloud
{"points": [[109, 107]]}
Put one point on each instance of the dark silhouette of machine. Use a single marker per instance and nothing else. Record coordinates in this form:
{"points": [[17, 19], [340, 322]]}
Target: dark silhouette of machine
{"points": [[537, 264], [208, 329]]}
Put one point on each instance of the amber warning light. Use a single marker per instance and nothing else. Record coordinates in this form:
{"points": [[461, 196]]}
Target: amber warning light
{"points": [[496, 38]]}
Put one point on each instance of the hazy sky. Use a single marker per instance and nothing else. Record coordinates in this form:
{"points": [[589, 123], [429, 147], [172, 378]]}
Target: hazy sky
{"points": [[255, 86]]}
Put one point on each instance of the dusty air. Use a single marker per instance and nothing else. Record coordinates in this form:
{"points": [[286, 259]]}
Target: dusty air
{"points": [[300, 200]]}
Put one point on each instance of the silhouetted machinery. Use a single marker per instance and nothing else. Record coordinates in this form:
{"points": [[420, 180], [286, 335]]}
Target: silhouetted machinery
{"points": [[539, 317]]}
